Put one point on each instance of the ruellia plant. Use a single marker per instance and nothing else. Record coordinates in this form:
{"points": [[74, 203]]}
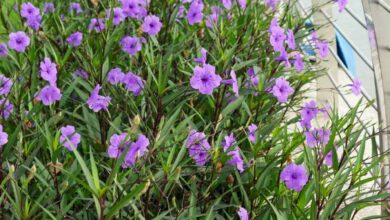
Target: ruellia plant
{"points": [[174, 109]]}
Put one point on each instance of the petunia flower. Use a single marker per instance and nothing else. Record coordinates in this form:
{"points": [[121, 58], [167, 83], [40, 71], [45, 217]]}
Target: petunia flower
{"points": [[48, 71], [75, 39], [69, 137], [198, 147], [131, 45], [298, 63], [137, 150], [133, 83], [277, 36], [356, 87], [117, 17], [317, 136], [227, 4], [195, 12], [3, 50], [151, 25], [5, 85], [3, 137], [115, 76], [310, 111], [291, 40], [252, 129], [342, 4], [294, 176], [49, 95], [323, 49], [97, 102], [97, 25], [203, 59], [28, 10], [272, 4], [18, 41], [48, 8], [75, 7], [282, 89], [205, 80], [243, 214], [6, 108]]}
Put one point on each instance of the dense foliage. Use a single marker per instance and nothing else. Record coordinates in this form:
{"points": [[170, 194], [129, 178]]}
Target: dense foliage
{"points": [[174, 109]]}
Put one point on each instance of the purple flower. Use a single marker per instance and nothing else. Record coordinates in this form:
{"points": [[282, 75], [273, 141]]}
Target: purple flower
{"points": [[310, 111], [242, 3], [243, 214], [151, 25], [3, 50], [236, 159], [18, 41], [356, 87], [69, 137], [203, 59], [34, 22], [305, 124], [75, 7], [133, 83], [180, 12], [48, 8], [277, 36], [48, 71], [329, 158], [137, 150], [227, 4], [115, 76], [198, 147], [131, 8], [294, 176], [118, 16], [272, 3], [281, 90], [96, 24], [131, 45], [3, 137], [314, 36], [81, 73], [283, 57], [205, 80], [298, 63], [29, 10], [118, 144], [75, 39], [97, 102], [195, 12], [342, 4], [212, 19], [254, 80], [316, 137], [252, 129], [228, 141], [233, 82], [6, 108], [49, 94], [291, 40], [323, 49], [5, 85]]}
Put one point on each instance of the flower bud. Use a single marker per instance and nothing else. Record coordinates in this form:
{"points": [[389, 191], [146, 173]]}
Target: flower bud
{"points": [[219, 167], [32, 172], [230, 179]]}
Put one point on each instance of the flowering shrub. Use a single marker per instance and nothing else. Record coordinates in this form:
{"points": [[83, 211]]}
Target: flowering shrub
{"points": [[173, 109]]}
